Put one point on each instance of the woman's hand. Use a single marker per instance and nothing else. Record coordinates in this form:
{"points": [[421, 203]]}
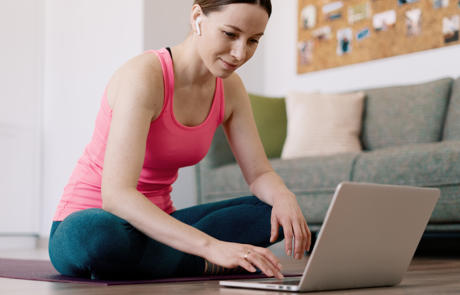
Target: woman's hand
{"points": [[286, 212], [232, 255]]}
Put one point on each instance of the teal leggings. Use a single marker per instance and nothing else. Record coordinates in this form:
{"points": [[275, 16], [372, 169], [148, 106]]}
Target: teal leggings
{"points": [[96, 244]]}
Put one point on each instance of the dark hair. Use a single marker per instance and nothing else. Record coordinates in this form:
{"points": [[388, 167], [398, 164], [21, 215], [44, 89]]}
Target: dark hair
{"points": [[208, 6]]}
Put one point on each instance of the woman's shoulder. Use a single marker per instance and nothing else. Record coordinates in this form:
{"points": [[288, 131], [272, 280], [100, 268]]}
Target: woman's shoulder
{"points": [[235, 94], [233, 80], [140, 78], [233, 86]]}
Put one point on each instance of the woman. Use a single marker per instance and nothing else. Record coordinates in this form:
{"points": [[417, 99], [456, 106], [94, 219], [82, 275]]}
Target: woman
{"points": [[159, 112]]}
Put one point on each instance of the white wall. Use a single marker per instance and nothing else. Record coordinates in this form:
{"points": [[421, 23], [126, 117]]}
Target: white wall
{"points": [[21, 61], [86, 41], [166, 23], [253, 72], [280, 62]]}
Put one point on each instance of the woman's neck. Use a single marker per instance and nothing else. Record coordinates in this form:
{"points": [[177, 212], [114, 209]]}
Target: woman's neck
{"points": [[189, 69]]}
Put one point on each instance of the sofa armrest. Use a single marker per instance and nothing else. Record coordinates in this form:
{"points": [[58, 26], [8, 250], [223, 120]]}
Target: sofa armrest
{"points": [[219, 154]]}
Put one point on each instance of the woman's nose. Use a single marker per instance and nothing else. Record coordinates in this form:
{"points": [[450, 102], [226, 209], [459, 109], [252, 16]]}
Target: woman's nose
{"points": [[239, 51]]}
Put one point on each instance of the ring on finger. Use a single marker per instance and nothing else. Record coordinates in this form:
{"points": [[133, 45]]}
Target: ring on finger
{"points": [[246, 255]]}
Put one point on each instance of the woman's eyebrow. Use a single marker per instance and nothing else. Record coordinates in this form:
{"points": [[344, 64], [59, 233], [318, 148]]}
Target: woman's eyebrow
{"points": [[239, 30]]}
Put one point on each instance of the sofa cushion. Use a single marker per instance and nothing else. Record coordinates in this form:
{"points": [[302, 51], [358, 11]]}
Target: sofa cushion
{"points": [[452, 125], [314, 173], [395, 116], [310, 174], [427, 165], [430, 164], [321, 124], [270, 117]]}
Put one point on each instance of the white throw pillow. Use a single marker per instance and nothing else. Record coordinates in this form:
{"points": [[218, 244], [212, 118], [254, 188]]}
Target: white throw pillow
{"points": [[322, 124]]}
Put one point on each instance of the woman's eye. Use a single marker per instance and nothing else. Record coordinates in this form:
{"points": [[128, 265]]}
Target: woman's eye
{"points": [[255, 41], [229, 34]]}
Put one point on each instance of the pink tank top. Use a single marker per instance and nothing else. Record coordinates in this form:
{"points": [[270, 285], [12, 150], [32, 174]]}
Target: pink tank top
{"points": [[170, 146]]}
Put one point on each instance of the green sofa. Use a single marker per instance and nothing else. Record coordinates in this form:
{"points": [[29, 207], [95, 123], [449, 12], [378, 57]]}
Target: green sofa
{"points": [[410, 136]]}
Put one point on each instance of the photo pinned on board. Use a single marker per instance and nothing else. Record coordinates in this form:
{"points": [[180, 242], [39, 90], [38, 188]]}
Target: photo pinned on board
{"points": [[414, 22], [333, 10], [402, 2], [363, 34], [308, 16], [359, 12], [344, 38], [323, 33], [440, 3], [450, 27], [305, 52], [384, 21]]}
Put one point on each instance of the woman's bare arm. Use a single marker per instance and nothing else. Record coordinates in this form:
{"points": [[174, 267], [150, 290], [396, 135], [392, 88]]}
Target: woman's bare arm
{"points": [[263, 181]]}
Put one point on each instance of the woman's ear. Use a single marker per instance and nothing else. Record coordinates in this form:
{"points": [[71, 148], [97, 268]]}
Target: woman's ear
{"points": [[196, 18]]}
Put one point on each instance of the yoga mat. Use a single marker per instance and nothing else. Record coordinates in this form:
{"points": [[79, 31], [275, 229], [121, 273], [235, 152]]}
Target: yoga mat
{"points": [[43, 270]]}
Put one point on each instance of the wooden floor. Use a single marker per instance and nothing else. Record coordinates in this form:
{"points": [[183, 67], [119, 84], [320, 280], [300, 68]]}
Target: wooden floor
{"points": [[426, 275]]}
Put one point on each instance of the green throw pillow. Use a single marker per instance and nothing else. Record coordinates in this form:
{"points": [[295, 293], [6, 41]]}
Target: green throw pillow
{"points": [[270, 117]]}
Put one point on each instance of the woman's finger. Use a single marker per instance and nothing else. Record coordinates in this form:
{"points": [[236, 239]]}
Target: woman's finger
{"points": [[309, 236], [269, 256], [287, 229], [298, 240], [244, 263], [255, 260], [264, 265], [274, 229], [304, 234]]}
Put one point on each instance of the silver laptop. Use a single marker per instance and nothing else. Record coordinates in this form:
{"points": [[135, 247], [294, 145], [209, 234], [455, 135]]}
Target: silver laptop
{"points": [[368, 239]]}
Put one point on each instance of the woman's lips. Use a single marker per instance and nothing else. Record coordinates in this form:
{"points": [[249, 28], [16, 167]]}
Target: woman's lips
{"points": [[229, 66]]}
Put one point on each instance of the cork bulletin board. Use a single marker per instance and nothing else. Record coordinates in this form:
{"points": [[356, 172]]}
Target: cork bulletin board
{"points": [[335, 33]]}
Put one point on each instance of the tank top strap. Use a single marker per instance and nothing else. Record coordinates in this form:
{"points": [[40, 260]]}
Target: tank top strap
{"points": [[221, 99], [168, 74]]}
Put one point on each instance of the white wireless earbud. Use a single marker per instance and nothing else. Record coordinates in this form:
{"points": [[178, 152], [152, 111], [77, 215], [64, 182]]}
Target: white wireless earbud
{"points": [[197, 25]]}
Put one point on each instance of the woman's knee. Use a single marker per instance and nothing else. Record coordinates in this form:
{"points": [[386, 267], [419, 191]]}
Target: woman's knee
{"points": [[111, 237], [252, 200], [88, 228], [93, 237]]}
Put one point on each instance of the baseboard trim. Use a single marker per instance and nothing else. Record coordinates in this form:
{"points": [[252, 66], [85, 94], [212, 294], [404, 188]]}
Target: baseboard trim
{"points": [[42, 242], [16, 241]]}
